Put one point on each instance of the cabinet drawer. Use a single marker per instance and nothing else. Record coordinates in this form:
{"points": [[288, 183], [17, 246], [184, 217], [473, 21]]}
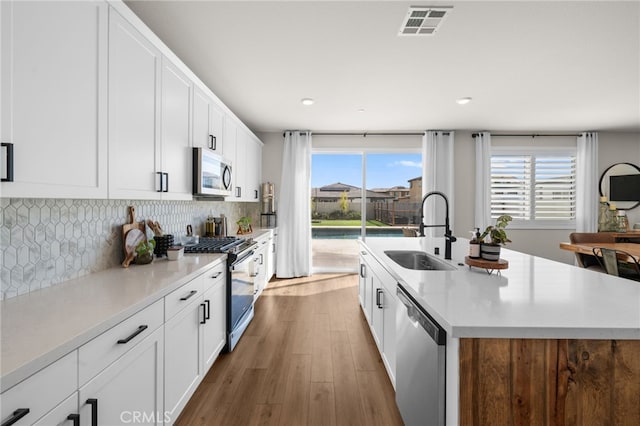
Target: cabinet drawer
{"points": [[42, 391], [214, 276], [97, 354], [179, 299]]}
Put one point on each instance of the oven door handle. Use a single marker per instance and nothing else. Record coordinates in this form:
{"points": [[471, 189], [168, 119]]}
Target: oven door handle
{"points": [[243, 258]]}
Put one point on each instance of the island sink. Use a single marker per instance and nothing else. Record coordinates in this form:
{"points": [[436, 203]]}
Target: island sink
{"points": [[419, 260]]}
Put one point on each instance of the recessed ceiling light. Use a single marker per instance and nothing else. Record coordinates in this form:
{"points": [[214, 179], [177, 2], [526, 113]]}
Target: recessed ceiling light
{"points": [[463, 101], [307, 101], [360, 110]]}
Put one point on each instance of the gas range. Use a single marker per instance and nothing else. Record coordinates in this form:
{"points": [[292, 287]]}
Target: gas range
{"points": [[231, 245]]}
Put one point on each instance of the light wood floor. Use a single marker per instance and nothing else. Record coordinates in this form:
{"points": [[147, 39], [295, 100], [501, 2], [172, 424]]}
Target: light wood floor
{"points": [[307, 358]]}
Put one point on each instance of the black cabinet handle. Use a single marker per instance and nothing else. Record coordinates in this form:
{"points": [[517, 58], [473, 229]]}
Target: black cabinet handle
{"points": [[166, 182], [94, 410], [75, 418], [256, 191], [363, 270], [134, 334], [204, 313], [160, 175], [212, 142], [191, 293], [261, 259], [378, 294], [217, 274], [16, 415], [208, 311], [238, 191], [9, 175]]}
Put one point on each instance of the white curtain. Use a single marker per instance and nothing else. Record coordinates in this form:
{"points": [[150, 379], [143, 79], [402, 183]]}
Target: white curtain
{"points": [[483, 181], [437, 175], [587, 183], [294, 207]]}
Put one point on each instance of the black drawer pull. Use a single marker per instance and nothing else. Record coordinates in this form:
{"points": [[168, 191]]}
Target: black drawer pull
{"points": [[217, 274], [9, 173], [94, 410], [134, 334], [208, 314], [75, 418], [212, 142], [16, 415], [188, 296], [204, 313], [363, 269], [166, 182], [160, 175]]}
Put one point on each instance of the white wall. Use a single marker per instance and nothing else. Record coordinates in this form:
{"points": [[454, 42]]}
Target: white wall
{"points": [[272, 159], [619, 148], [614, 148]]}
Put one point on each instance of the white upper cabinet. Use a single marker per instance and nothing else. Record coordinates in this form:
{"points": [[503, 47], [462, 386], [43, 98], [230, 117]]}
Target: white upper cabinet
{"points": [[247, 167], [94, 105], [208, 121], [149, 119], [53, 98], [176, 149], [134, 89]]}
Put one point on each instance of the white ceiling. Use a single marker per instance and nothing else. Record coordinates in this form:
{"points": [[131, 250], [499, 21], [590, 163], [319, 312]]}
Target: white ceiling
{"points": [[529, 66]]}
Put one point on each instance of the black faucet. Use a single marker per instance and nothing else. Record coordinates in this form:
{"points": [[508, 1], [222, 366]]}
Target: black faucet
{"points": [[448, 236]]}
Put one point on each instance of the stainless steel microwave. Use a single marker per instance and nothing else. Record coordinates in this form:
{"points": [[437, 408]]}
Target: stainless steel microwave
{"points": [[211, 174]]}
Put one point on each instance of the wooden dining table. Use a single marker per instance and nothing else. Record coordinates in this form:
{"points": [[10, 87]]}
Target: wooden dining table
{"points": [[587, 248]]}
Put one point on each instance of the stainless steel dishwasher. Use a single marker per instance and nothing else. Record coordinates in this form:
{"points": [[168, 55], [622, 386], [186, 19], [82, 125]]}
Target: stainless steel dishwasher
{"points": [[420, 364]]}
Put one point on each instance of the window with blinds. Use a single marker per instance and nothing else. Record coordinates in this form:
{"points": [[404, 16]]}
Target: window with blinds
{"points": [[536, 188]]}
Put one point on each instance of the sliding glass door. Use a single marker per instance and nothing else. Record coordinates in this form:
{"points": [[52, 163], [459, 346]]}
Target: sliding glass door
{"points": [[356, 194]]}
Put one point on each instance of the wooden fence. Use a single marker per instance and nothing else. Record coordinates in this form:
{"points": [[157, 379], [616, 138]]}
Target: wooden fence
{"points": [[397, 213]]}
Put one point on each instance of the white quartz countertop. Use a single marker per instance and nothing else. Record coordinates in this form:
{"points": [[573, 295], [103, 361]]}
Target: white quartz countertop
{"points": [[40, 327], [533, 298]]}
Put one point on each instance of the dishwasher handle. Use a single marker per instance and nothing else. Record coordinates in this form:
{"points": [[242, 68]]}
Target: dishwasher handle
{"points": [[417, 315]]}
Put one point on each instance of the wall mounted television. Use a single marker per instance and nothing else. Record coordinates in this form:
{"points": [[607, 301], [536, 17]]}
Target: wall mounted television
{"points": [[624, 188]]}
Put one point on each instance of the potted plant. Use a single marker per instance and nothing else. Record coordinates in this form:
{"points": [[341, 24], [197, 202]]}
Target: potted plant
{"points": [[244, 225], [144, 252], [497, 238]]}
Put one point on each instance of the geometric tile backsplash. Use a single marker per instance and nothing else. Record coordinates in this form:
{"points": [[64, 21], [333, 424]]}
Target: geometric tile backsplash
{"points": [[48, 241]]}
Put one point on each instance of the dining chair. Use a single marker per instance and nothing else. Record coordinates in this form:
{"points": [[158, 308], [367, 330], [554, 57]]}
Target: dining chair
{"points": [[586, 260], [618, 263]]}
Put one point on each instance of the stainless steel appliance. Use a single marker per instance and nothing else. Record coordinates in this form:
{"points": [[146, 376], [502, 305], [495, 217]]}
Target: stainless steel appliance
{"points": [[420, 364], [240, 281], [268, 198], [211, 174]]}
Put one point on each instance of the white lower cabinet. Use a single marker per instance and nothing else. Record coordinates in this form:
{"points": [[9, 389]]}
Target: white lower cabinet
{"points": [[260, 265], [141, 371], [377, 294], [183, 369], [65, 414], [194, 336], [130, 389], [214, 328], [37, 395]]}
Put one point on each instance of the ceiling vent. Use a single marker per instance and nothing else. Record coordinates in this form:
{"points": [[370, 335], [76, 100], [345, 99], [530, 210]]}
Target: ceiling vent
{"points": [[424, 20]]}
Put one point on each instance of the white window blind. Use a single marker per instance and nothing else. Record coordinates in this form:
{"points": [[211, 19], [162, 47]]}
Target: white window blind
{"points": [[536, 189]]}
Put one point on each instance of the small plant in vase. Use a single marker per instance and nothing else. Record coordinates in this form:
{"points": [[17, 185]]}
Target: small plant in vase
{"points": [[497, 238], [144, 252], [244, 225]]}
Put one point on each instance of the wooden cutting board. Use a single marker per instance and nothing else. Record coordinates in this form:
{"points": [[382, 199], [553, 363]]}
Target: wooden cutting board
{"points": [[139, 226]]}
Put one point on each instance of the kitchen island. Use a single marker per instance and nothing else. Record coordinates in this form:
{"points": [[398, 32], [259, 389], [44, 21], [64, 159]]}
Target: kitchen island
{"points": [[541, 343]]}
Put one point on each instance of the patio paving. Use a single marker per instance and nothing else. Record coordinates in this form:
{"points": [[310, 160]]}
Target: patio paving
{"points": [[335, 254]]}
